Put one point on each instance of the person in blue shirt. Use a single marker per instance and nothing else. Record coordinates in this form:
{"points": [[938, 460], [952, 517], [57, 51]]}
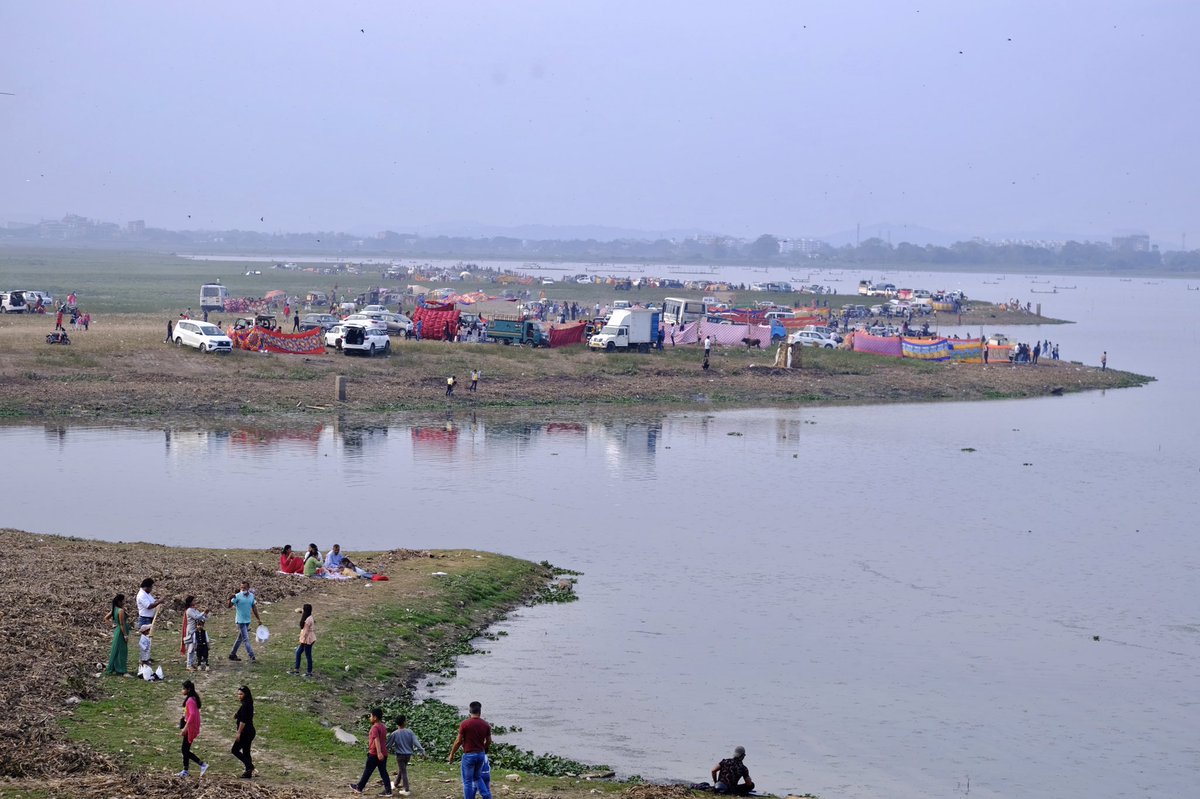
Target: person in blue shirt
{"points": [[244, 604]]}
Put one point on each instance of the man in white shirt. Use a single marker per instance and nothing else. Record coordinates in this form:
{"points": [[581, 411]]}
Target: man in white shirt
{"points": [[146, 603]]}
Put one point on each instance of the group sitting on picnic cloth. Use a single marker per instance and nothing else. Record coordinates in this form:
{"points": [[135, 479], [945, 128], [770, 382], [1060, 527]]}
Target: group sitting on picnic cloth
{"points": [[335, 565]]}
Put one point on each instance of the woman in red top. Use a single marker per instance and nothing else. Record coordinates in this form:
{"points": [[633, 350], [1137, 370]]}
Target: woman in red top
{"points": [[376, 755], [289, 563], [189, 727]]}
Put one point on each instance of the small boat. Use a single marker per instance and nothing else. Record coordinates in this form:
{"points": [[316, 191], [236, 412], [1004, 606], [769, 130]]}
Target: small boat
{"points": [[1056, 288], [1036, 291]]}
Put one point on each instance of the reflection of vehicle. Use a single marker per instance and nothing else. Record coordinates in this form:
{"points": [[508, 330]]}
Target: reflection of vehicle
{"points": [[313, 321], [365, 338], [547, 281], [201, 335], [212, 297], [13, 302], [517, 330], [812, 338], [632, 329]]}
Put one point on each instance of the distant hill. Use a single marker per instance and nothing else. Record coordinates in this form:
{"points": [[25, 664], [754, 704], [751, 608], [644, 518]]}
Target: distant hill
{"points": [[536, 232]]}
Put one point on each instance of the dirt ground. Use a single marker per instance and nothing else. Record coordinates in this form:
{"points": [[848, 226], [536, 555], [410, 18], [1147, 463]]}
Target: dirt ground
{"points": [[121, 369]]}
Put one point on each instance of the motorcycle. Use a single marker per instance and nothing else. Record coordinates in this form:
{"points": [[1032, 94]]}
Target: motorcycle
{"points": [[58, 337]]}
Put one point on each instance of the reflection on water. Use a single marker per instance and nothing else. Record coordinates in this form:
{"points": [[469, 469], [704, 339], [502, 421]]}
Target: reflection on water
{"points": [[875, 602]]}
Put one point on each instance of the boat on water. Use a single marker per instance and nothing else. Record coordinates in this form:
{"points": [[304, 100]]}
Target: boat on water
{"points": [[1056, 288], [1042, 291]]}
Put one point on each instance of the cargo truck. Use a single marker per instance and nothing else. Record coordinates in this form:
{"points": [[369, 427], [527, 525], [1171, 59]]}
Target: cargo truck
{"points": [[630, 329], [518, 330]]}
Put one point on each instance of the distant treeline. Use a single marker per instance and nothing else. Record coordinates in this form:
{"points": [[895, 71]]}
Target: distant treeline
{"points": [[764, 250]]}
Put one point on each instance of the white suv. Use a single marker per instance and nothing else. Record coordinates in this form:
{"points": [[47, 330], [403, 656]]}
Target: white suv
{"points": [[203, 336], [366, 338]]}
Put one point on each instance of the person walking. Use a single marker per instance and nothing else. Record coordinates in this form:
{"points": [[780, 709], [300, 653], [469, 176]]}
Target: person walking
{"points": [[118, 655], [402, 742], [474, 738], [376, 755], [474, 381], [244, 604], [189, 728], [244, 719], [296, 322], [450, 381], [170, 332], [308, 637], [1104, 361]]}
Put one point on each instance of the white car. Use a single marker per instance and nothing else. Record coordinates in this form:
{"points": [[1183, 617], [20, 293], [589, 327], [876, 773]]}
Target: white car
{"points": [[812, 338], [203, 336], [397, 323], [333, 336], [365, 338]]}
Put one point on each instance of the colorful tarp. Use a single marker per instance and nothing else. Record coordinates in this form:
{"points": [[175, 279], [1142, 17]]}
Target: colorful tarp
{"points": [[434, 322], [565, 335], [878, 345], [310, 342], [961, 350]]}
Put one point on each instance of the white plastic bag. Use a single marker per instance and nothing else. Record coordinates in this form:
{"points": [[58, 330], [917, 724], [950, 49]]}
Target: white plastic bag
{"points": [[262, 633]]}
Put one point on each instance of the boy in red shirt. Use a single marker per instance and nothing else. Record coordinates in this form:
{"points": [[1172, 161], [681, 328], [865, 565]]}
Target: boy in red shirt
{"points": [[376, 755], [475, 738]]}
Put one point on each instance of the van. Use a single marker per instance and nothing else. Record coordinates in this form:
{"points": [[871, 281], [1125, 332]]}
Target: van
{"points": [[621, 305]]}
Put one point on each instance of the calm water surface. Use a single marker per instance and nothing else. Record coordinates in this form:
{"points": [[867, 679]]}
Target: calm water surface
{"points": [[869, 609]]}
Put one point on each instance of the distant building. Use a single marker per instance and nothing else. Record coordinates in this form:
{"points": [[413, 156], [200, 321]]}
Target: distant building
{"points": [[1138, 242], [137, 227], [805, 246]]}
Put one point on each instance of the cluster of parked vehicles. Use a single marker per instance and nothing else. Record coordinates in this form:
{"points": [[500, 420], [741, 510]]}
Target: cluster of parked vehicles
{"points": [[25, 301]]}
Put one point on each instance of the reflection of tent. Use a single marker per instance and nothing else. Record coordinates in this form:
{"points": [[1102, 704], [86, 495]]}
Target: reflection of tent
{"points": [[270, 295]]}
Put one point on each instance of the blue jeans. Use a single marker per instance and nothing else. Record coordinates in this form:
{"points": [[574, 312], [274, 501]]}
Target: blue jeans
{"points": [[472, 775], [307, 650], [243, 638]]}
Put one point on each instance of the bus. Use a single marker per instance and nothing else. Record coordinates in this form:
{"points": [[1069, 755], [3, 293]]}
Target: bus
{"points": [[677, 311]]}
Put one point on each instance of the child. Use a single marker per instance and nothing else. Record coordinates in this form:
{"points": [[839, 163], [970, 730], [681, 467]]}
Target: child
{"points": [[308, 637], [201, 647], [376, 755], [144, 648], [401, 743]]}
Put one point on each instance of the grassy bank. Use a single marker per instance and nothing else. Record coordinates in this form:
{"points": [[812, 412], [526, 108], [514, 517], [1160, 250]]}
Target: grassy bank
{"points": [[120, 369], [106, 736]]}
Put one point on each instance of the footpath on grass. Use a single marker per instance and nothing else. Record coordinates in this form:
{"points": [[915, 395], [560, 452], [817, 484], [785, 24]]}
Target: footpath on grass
{"points": [[69, 730]]}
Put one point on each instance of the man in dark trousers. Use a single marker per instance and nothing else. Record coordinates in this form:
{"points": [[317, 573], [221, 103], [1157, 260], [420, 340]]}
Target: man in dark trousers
{"points": [[296, 322], [729, 771], [170, 331], [475, 738]]}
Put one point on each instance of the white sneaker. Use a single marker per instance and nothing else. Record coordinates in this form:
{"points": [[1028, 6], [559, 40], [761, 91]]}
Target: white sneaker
{"points": [[203, 768], [182, 773]]}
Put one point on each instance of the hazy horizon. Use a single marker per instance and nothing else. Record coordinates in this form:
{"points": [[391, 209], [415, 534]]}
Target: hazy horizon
{"points": [[767, 117]]}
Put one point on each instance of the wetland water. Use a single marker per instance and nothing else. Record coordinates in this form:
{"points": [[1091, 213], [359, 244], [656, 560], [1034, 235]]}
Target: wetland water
{"points": [[869, 609]]}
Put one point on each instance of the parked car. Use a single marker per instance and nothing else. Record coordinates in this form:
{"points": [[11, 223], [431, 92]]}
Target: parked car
{"points": [[365, 338], [811, 338], [203, 336], [396, 323], [333, 336], [13, 302], [312, 321]]}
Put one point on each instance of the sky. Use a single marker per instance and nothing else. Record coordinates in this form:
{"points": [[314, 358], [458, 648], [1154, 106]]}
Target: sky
{"points": [[792, 118]]}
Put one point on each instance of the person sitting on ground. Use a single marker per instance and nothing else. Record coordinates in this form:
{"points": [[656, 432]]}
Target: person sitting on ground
{"points": [[312, 562], [336, 561], [289, 562], [729, 771]]}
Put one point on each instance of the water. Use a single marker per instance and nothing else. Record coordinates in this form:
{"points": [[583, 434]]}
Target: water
{"points": [[869, 609]]}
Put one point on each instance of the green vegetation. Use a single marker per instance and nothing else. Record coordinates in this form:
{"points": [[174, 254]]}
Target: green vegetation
{"points": [[372, 645]]}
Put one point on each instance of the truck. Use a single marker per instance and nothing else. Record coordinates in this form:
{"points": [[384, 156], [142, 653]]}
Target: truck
{"points": [[629, 329], [518, 330], [212, 297]]}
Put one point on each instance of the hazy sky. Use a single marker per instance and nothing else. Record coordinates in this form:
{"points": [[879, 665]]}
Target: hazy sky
{"points": [[794, 118]]}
